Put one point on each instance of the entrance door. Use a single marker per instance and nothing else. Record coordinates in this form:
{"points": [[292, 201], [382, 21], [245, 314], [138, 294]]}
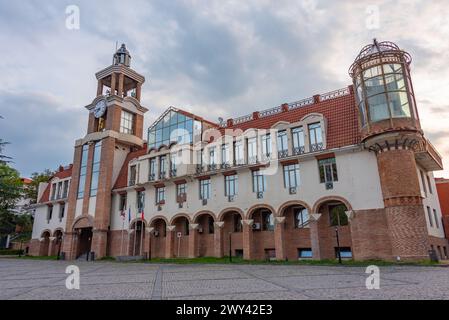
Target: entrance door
{"points": [[85, 241]]}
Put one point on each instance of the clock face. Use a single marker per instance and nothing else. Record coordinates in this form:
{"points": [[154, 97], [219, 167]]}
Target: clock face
{"points": [[100, 109]]}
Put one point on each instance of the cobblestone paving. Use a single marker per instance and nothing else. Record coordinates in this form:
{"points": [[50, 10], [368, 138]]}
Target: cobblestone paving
{"points": [[36, 279]]}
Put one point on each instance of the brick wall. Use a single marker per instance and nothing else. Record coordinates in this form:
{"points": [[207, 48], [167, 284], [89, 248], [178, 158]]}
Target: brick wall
{"points": [[370, 235]]}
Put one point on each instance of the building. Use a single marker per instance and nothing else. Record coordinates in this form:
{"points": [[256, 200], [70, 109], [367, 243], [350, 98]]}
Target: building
{"points": [[443, 196], [346, 173]]}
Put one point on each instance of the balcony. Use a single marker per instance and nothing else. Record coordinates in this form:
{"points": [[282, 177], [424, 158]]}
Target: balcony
{"points": [[299, 150], [314, 147], [282, 154], [427, 156]]}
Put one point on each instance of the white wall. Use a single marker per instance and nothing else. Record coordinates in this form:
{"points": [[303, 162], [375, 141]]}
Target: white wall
{"points": [[358, 182], [40, 220]]}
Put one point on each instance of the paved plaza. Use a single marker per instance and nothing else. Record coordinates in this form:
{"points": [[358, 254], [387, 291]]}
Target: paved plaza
{"points": [[38, 279]]}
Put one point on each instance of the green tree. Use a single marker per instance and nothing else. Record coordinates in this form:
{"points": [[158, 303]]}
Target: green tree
{"points": [[11, 190], [3, 159], [31, 189]]}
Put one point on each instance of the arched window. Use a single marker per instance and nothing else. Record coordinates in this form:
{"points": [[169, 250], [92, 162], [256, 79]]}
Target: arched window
{"points": [[267, 221], [301, 217]]}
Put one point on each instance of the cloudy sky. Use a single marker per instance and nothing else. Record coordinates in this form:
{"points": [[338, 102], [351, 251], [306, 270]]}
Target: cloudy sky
{"points": [[214, 58]]}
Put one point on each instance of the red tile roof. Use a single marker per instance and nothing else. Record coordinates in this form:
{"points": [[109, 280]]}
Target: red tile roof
{"points": [[340, 112], [122, 179]]}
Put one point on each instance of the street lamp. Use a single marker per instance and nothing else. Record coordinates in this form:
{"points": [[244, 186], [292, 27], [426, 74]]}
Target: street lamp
{"points": [[338, 245], [230, 246]]}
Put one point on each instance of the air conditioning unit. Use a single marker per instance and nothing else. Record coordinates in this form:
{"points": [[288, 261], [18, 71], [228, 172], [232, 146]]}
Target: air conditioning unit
{"points": [[200, 230], [204, 202], [180, 205], [259, 195], [231, 198], [256, 226], [159, 208], [329, 185], [156, 233], [292, 190]]}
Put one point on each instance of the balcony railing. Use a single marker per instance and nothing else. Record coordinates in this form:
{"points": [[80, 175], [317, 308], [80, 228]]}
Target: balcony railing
{"points": [[132, 182], [299, 150], [282, 154], [314, 147]]}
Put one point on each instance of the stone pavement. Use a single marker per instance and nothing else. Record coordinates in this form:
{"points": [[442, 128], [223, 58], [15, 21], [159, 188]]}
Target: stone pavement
{"points": [[39, 279]]}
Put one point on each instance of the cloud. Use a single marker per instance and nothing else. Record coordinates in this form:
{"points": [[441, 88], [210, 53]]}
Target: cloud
{"points": [[213, 58]]}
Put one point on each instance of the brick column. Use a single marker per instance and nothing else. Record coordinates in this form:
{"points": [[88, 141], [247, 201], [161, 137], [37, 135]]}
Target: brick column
{"points": [[193, 240], [121, 80], [149, 231], [403, 204], [67, 245], [99, 243], [51, 245], [138, 91], [100, 88], [315, 236], [218, 239], [169, 239], [248, 251], [279, 238], [113, 83]]}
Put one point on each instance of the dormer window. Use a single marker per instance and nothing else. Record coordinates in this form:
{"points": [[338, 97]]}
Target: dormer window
{"points": [[316, 137]]}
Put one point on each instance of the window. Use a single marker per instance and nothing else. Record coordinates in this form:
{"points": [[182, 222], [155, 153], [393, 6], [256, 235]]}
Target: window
{"points": [[429, 215], [231, 185], [259, 181], [204, 189], [345, 252], [122, 203], [301, 217], [225, 156], [212, 157], [328, 170], [95, 169], [59, 196], [152, 169], [162, 167], [267, 221], [160, 195], [53, 191], [337, 215], [140, 201], [127, 122], [423, 182], [66, 189], [173, 164], [266, 145], [181, 192], [237, 223], [83, 171], [298, 140], [238, 153], [429, 184], [61, 211], [173, 127], [49, 213], [386, 92], [315, 136], [282, 144], [291, 176], [252, 150], [210, 223], [436, 218], [132, 175], [305, 253]]}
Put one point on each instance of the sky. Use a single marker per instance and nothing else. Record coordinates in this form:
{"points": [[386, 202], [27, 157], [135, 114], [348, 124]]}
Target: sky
{"points": [[213, 58]]}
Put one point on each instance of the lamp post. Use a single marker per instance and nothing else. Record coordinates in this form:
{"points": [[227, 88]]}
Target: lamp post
{"points": [[230, 246], [338, 245]]}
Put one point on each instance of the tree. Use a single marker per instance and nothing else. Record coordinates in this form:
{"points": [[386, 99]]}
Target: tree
{"points": [[3, 159], [11, 190], [31, 189]]}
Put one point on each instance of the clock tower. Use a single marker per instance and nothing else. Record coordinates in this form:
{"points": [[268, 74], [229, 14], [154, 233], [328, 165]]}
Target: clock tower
{"points": [[115, 127]]}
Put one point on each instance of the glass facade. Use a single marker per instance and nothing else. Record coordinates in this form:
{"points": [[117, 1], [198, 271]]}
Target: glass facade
{"points": [[95, 169], [383, 88], [83, 171], [174, 127]]}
